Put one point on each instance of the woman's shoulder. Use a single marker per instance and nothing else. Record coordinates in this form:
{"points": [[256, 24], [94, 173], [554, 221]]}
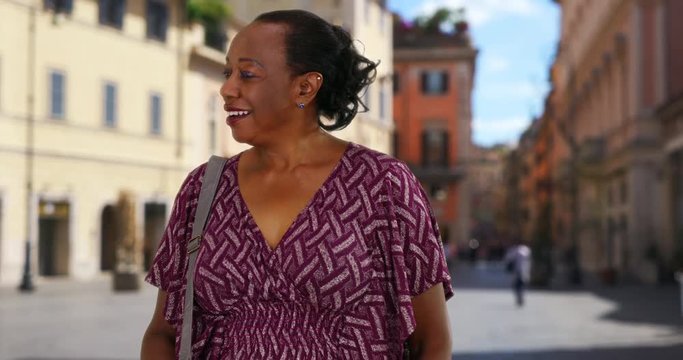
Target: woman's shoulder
{"points": [[194, 178], [376, 161]]}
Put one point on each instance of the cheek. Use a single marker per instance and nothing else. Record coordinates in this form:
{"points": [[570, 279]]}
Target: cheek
{"points": [[272, 101]]}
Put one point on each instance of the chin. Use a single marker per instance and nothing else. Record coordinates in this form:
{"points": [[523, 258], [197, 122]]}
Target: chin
{"points": [[241, 137]]}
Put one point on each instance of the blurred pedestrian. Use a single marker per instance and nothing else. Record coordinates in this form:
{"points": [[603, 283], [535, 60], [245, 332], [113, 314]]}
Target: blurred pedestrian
{"points": [[518, 262], [314, 247]]}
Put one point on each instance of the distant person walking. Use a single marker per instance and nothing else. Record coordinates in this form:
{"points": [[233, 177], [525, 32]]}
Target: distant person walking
{"points": [[518, 262]]}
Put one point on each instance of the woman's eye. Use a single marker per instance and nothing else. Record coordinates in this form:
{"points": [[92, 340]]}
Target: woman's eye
{"points": [[246, 75], [227, 73]]}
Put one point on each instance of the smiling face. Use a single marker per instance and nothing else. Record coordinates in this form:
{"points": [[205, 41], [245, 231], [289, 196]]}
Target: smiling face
{"points": [[258, 90]]}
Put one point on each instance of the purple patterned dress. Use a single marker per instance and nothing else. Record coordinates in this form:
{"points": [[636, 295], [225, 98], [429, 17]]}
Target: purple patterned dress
{"points": [[337, 286]]}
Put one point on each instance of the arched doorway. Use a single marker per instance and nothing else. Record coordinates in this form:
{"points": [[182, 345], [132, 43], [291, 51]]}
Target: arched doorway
{"points": [[108, 234], [53, 238], [155, 221]]}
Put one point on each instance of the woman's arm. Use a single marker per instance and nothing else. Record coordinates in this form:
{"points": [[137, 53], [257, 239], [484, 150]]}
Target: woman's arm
{"points": [[432, 337], [159, 339]]}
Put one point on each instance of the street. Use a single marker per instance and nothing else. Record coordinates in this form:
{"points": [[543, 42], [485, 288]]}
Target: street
{"points": [[66, 319]]}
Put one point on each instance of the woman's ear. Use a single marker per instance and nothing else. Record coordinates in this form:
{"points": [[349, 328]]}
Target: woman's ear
{"points": [[307, 87]]}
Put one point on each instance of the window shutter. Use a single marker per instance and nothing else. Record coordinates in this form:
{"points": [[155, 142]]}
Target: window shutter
{"points": [[163, 22], [444, 82], [446, 148], [103, 10], [119, 12], [425, 85], [149, 16], [68, 6]]}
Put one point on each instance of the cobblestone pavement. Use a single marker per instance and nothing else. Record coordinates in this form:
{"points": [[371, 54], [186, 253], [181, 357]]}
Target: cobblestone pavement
{"points": [[623, 322], [85, 320]]}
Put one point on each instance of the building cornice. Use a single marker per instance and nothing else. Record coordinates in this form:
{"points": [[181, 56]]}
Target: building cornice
{"points": [[210, 54], [440, 53]]}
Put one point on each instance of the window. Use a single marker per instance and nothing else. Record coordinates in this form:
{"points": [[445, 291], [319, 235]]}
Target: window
{"points": [[111, 12], [435, 147], [57, 95], [434, 82], [59, 6], [610, 199], [624, 192], [155, 114], [215, 36], [110, 105], [157, 19]]}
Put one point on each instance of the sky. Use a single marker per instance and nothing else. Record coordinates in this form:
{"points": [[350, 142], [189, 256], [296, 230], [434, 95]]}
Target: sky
{"points": [[516, 40]]}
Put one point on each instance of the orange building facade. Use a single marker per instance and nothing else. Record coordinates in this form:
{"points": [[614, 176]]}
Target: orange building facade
{"points": [[433, 78]]}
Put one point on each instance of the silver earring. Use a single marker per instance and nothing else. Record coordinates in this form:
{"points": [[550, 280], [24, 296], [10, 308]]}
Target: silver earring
{"points": [[300, 105]]}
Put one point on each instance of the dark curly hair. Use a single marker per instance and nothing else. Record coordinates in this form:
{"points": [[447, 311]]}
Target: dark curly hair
{"points": [[313, 44]]}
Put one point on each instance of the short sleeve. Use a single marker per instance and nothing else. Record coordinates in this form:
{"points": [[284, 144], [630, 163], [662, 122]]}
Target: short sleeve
{"points": [[417, 253], [167, 271]]}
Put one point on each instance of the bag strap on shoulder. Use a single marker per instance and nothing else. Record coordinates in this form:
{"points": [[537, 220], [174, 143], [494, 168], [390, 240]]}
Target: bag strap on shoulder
{"points": [[214, 168]]}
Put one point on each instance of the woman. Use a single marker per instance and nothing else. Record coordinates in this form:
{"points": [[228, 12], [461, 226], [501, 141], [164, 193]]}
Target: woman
{"points": [[315, 248]]}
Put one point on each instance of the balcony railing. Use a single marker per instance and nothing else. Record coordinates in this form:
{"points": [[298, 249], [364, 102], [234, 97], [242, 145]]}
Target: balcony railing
{"points": [[438, 173], [592, 150]]}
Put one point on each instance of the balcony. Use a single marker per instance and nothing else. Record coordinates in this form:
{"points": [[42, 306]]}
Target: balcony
{"points": [[215, 38], [592, 151], [438, 173]]}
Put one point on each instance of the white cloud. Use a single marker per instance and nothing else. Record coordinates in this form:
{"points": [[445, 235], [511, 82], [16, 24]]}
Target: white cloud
{"points": [[499, 130], [496, 64], [479, 12]]}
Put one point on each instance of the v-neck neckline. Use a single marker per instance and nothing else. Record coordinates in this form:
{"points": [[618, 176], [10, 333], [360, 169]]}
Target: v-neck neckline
{"points": [[250, 217]]}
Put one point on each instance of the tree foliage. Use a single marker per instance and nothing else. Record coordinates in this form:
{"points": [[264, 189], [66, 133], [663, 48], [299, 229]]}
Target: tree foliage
{"points": [[440, 19], [209, 12]]}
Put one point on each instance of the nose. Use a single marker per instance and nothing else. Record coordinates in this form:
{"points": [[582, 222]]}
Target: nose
{"points": [[229, 88]]}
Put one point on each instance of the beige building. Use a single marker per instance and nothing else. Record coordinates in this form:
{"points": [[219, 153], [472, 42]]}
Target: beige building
{"points": [[88, 98], [612, 73], [95, 100], [370, 24]]}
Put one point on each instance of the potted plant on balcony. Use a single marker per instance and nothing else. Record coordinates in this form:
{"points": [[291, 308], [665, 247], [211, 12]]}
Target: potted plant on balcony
{"points": [[212, 14]]}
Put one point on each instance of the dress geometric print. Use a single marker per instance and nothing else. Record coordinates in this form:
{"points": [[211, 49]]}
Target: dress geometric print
{"points": [[337, 286]]}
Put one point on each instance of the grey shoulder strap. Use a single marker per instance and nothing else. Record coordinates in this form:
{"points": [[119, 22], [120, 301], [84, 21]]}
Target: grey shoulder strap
{"points": [[209, 185]]}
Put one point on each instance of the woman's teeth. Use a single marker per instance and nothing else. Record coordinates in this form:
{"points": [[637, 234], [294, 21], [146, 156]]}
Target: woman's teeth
{"points": [[237, 113]]}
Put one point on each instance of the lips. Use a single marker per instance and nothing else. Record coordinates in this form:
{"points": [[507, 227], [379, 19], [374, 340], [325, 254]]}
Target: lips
{"points": [[235, 114]]}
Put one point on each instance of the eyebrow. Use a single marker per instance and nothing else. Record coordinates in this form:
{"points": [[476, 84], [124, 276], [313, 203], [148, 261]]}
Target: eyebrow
{"points": [[244, 59]]}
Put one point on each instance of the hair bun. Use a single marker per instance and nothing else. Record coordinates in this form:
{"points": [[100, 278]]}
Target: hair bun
{"points": [[313, 44]]}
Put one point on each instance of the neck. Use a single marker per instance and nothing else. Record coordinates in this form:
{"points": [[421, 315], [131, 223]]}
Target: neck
{"points": [[291, 151]]}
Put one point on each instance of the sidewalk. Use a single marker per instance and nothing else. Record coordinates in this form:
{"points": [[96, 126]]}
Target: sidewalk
{"points": [[626, 323], [66, 319]]}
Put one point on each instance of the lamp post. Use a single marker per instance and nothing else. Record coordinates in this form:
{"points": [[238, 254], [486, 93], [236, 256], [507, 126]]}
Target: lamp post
{"points": [[26, 284]]}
